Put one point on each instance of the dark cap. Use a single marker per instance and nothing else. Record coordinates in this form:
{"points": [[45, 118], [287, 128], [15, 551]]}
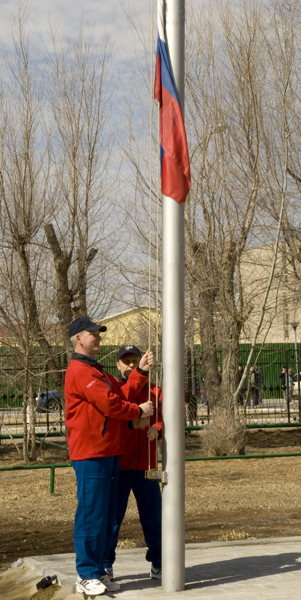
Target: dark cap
{"points": [[128, 350], [84, 324]]}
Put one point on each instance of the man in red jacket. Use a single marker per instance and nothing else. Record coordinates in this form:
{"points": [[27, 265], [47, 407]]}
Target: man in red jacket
{"points": [[140, 453], [96, 408]]}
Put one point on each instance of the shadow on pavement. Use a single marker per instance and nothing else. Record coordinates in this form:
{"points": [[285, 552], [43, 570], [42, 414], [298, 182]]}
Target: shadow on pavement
{"points": [[241, 569], [137, 581]]}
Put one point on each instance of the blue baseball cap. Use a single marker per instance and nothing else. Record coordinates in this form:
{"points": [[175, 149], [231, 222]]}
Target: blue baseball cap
{"points": [[84, 324], [128, 350]]}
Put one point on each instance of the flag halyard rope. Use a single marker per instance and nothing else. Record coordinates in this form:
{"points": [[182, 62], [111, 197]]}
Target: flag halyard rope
{"points": [[150, 214], [157, 249]]}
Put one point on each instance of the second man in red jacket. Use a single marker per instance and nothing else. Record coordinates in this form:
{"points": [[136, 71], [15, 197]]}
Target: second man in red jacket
{"points": [[132, 466]]}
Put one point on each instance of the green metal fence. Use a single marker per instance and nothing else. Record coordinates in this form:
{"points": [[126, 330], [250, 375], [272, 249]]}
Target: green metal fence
{"points": [[12, 372], [272, 407], [271, 359]]}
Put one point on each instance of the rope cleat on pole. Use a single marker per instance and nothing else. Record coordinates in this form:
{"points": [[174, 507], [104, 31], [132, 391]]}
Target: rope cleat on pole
{"points": [[155, 474]]}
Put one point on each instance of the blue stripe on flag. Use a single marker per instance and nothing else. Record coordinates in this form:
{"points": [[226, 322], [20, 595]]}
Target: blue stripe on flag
{"points": [[161, 158], [166, 77]]}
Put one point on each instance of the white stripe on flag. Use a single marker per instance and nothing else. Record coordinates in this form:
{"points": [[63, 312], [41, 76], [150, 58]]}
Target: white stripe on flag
{"points": [[161, 20]]}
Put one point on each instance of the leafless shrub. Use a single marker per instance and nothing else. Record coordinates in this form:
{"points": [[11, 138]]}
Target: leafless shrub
{"points": [[224, 436]]}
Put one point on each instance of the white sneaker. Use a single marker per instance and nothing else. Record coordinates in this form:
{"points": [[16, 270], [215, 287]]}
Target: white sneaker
{"points": [[155, 573], [112, 586], [91, 587], [110, 574]]}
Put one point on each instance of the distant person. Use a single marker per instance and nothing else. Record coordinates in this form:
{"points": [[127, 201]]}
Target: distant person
{"points": [[287, 382], [291, 379], [203, 391], [260, 382], [255, 385], [240, 373], [220, 374]]}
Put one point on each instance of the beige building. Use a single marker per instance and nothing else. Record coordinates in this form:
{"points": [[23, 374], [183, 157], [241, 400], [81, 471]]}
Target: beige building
{"points": [[284, 302], [130, 327], [283, 306]]}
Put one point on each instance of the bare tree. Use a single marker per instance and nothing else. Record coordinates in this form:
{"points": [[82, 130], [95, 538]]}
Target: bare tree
{"points": [[284, 112], [78, 236], [281, 132], [56, 185], [225, 68], [225, 75], [24, 176]]}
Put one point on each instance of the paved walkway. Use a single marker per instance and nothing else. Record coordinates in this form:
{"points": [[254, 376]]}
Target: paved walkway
{"points": [[242, 570]]}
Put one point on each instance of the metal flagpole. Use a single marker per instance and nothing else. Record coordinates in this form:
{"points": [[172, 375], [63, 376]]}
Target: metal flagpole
{"points": [[173, 509]]}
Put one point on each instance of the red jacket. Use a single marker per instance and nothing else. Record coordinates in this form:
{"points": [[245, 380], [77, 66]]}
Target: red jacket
{"points": [[135, 456], [96, 408]]}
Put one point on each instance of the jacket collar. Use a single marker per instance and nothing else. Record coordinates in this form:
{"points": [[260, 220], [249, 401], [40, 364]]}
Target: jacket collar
{"points": [[121, 378], [83, 358]]}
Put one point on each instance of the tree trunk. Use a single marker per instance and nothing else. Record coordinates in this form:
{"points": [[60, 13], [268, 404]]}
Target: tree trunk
{"points": [[32, 420], [64, 298], [25, 410], [56, 372], [230, 367], [207, 333], [230, 326]]}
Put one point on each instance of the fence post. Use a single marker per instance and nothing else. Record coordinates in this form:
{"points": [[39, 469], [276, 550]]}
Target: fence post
{"points": [[52, 472], [287, 390], [298, 382], [47, 388]]}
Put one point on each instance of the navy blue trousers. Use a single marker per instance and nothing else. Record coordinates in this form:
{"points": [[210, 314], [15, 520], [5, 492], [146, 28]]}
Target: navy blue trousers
{"points": [[148, 498], [97, 494]]}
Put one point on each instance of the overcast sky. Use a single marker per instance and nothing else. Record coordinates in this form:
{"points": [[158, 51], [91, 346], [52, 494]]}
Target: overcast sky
{"points": [[66, 16], [96, 17]]}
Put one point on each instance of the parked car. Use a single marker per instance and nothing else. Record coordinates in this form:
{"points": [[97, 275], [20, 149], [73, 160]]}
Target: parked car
{"points": [[48, 401]]}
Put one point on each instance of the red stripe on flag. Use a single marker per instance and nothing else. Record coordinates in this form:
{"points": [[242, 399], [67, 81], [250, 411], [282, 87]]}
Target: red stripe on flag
{"points": [[173, 183], [173, 141]]}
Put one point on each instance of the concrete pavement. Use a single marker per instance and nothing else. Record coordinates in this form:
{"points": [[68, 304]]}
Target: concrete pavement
{"points": [[240, 570]]}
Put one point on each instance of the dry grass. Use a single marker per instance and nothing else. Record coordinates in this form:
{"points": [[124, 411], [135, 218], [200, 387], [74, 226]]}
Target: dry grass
{"points": [[230, 536], [125, 544]]}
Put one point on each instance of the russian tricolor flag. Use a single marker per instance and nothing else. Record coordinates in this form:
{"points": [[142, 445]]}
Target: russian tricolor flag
{"points": [[175, 169]]}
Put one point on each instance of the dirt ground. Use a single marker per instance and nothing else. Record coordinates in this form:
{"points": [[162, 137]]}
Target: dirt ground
{"points": [[225, 500]]}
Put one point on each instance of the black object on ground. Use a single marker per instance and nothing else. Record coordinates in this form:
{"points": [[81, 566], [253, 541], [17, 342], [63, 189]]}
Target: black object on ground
{"points": [[46, 582]]}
